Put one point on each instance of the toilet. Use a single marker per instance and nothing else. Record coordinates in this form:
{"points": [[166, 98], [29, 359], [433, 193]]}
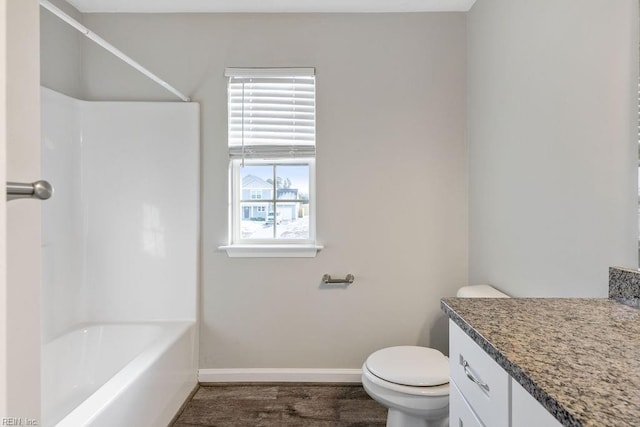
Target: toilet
{"points": [[412, 381]]}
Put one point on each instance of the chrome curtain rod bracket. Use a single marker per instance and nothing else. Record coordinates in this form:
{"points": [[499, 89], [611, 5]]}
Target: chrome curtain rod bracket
{"points": [[40, 190], [349, 278]]}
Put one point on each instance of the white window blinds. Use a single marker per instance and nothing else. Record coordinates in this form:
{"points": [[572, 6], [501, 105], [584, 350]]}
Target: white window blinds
{"points": [[272, 113]]}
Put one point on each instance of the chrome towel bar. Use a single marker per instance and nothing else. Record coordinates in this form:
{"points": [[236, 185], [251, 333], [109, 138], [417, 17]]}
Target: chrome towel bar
{"points": [[40, 190], [348, 279]]}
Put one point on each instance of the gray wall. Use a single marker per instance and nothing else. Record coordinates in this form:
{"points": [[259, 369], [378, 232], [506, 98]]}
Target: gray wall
{"points": [[391, 176], [61, 51], [552, 107], [551, 104]]}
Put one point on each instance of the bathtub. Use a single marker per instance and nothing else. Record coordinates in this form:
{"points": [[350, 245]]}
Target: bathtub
{"points": [[121, 374]]}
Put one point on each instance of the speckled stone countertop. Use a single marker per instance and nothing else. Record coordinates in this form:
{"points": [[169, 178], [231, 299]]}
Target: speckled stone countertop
{"points": [[580, 358], [624, 285]]}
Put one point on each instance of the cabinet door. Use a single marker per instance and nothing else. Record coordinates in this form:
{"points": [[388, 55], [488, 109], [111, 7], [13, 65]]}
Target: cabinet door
{"points": [[460, 414], [528, 412]]}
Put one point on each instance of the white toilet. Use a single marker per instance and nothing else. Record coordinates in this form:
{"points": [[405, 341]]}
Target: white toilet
{"points": [[413, 382]]}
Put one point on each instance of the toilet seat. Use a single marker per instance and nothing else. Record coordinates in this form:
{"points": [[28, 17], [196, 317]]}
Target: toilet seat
{"points": [[410, 366], [432, 391], [412, 370]]}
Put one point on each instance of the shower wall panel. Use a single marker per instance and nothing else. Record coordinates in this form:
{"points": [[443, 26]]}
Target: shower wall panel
{"points": [[63, 247], [141, 191], [120, 234]]}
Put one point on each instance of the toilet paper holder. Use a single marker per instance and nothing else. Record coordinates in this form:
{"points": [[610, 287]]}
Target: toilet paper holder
{"points": [[349, 278]]}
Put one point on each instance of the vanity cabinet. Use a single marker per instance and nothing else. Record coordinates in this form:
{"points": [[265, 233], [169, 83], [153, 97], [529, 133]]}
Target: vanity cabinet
{"points": [[483, 394], [483, 384]]}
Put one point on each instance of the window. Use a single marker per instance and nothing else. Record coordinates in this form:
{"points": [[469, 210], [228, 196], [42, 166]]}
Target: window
{"points": [[271, 139]]}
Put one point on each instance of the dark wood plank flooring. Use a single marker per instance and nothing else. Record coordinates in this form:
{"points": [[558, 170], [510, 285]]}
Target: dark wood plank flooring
{"points": [[275, 405]]}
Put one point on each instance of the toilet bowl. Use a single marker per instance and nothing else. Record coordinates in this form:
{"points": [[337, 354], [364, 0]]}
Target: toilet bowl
{"points": [[413, 382]]}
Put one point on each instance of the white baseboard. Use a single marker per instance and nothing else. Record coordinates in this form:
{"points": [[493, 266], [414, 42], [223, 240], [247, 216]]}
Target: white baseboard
{"points": [[279, 375]]}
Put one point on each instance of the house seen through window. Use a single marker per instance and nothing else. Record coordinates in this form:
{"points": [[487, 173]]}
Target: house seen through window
{"points": [[283, 210], [271, 115]]}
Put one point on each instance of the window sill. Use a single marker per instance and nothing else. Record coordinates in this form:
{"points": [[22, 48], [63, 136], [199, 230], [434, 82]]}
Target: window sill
{"points": [[271, 251]]}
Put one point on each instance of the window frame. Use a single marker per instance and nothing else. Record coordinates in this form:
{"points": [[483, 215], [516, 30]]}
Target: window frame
{"points": [[280, 152]]}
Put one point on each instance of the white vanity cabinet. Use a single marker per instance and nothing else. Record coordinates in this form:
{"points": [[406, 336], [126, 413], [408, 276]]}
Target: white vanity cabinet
{"points": [[483, 384], [483, 394]]}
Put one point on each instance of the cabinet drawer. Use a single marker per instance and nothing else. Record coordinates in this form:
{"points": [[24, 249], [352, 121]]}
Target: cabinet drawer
{"points": [[482, 382], [460, 414]]}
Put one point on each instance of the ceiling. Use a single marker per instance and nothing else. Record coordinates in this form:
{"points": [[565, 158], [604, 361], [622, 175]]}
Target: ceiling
{"points": [[270, 6]]}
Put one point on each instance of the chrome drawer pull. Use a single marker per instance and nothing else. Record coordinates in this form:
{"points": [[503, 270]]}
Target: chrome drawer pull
{"points": [[467, 370]]}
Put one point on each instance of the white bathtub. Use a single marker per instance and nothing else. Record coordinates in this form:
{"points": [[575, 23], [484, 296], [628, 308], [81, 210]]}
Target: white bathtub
{"points": [[125, 374]]}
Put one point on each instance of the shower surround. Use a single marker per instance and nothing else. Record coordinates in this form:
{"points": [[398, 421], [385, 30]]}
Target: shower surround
{"points": [[119, 248]]}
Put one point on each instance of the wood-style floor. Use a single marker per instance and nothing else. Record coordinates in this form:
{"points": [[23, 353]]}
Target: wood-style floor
{"points": [[282, 404]]}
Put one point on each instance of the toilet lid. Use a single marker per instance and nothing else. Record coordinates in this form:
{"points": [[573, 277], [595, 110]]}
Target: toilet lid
{"points": [[410, 365]]}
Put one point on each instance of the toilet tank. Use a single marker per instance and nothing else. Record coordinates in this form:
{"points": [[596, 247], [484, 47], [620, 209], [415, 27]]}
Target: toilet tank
{"points": [[480, 291]]}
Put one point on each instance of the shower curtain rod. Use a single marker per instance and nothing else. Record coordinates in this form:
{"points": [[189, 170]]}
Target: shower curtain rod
{"points": [[109, 47]]}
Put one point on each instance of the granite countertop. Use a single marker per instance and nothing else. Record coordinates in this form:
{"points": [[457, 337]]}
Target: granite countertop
{"points": [[580, 358]]}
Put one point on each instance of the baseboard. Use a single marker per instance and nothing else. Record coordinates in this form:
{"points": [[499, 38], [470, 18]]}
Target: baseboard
{"points": [[279, 375]]}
